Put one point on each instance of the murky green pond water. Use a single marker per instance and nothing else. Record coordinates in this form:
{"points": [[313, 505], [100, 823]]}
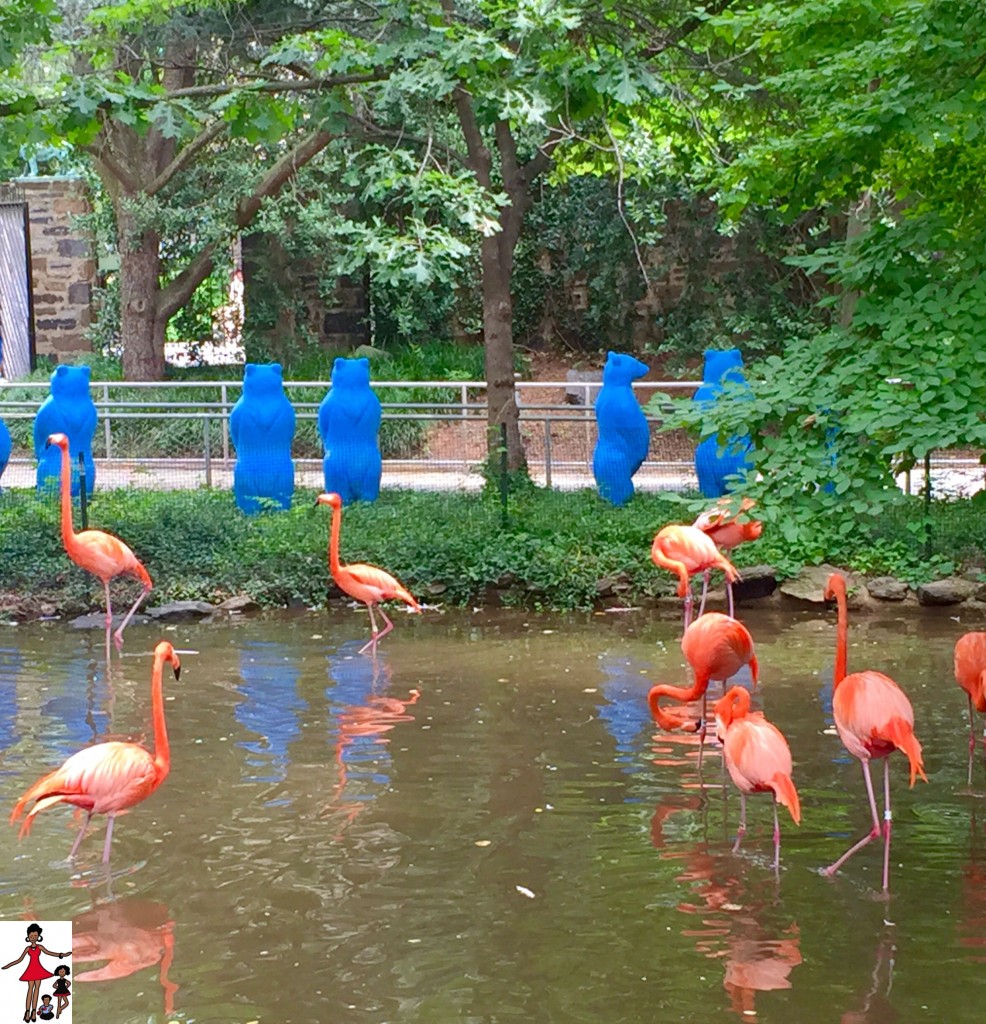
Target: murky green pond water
{"points": [[485, 826]]}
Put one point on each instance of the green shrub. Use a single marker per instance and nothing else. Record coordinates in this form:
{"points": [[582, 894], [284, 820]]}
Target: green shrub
{"points": [[554, 553]]}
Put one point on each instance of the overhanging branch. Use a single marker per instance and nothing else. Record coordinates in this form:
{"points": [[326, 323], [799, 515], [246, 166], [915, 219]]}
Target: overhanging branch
{"points": [[174, 295]]}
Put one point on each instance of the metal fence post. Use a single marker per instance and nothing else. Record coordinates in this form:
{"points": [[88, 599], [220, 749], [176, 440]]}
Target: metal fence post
{"points": [[83, 497], [927, 505], [106, 422], [225, 425], [547, 452], [207, 439], [464, 432], [503, 475]]}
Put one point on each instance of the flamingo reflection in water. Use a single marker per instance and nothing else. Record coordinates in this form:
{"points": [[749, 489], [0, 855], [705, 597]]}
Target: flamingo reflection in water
{"points": [[756, 957], [130, 935], [362, 723], [876, 1007], [970, 916]]}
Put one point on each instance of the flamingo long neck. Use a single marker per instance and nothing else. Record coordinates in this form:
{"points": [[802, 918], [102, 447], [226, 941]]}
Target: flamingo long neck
{"points": [[739, 704], [841, 639], [679, 693], [68, 532], [334, 564], [162, 750]]}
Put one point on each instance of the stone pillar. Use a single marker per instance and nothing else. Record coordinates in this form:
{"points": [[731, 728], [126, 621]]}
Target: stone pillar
{"points": [[63, 267]]}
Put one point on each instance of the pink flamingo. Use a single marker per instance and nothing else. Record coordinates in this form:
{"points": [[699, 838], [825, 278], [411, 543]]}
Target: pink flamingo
{"points": [[100, 553], [108, 777], [728, 529], [366, 583], [758, 759], [686, 551], [970, 673], [716, 647], [873, 718]]}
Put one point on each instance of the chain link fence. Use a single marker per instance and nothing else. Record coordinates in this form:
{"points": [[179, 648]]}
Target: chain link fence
{"points": [[171, 436]]}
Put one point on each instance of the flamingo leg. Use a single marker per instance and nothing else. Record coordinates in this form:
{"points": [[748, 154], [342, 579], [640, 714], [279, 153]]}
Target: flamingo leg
{"points": [[689, 601], [705, 589], [118, 635], [374, 635], [78, 838], [109, 617], [109, 838], [701, 733], [870, 836], [387, 628], [729, 599], [777, 841], [887, 820], [741, 828], [972, 737]]}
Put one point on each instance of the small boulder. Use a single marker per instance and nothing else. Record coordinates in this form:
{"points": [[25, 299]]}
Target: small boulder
{"points": [[239, 604], [809, 584], [179, 610], [758, 581], [887, 588], [97, 620], [953, 590]]}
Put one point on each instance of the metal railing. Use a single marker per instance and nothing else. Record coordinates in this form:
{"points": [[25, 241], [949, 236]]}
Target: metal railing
{"points": [[559, 435], [459, 403]]}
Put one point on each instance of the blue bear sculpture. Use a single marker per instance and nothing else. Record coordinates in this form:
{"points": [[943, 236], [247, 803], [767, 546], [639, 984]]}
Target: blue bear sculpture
{"points": [[624, 435], [68, 410], [349, 422], [5, 447], [715, 462], [262, 427]]}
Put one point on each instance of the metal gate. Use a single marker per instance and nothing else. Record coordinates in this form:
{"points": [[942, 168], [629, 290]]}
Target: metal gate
{"points": [[16, 305]]}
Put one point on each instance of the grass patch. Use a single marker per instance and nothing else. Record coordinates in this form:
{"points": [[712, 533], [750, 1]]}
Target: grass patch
{"points": [[559, 550]]}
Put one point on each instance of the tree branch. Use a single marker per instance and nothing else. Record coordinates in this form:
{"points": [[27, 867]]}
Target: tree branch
{"points": [[686, 28], [185, 155], [31, 104], [113, 167], [371, 129], [174, 295], [287, 85]]}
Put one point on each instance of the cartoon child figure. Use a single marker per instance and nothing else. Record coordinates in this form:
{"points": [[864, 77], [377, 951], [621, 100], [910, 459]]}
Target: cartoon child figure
{"points": [[60, 991], [46, 1011], [34, 973]]}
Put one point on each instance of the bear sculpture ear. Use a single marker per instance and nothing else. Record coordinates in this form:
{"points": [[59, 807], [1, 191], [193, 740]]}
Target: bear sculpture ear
{"points": [[249, 369], [276, 367], [60, 370]]}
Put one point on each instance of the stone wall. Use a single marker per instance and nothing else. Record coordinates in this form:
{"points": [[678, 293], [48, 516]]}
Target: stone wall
{"points": [[63, 267]]}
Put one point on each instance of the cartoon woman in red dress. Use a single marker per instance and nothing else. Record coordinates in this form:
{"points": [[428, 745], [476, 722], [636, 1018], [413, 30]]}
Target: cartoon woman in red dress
{"points": [[34, 973]]}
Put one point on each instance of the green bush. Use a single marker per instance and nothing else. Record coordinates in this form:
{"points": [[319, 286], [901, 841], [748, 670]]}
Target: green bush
{"points": [[555, 552]]}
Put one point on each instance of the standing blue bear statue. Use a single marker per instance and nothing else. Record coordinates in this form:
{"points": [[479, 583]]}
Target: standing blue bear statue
{"points": [[349, 422], [68, 410], [623, 433], [715, 462], [5, 447], [262, 427]]}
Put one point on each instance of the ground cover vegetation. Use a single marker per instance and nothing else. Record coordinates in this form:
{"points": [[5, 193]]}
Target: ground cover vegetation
{"points": [[431, 145], [555, 550]]}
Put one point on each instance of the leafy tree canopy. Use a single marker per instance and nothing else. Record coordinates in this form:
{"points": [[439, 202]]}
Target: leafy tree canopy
{"points": [[878, 119]]}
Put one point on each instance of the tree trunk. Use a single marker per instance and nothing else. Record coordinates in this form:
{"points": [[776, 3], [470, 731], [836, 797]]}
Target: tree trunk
{"points": [[141, 328], [498, 339], [857, 223]]}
